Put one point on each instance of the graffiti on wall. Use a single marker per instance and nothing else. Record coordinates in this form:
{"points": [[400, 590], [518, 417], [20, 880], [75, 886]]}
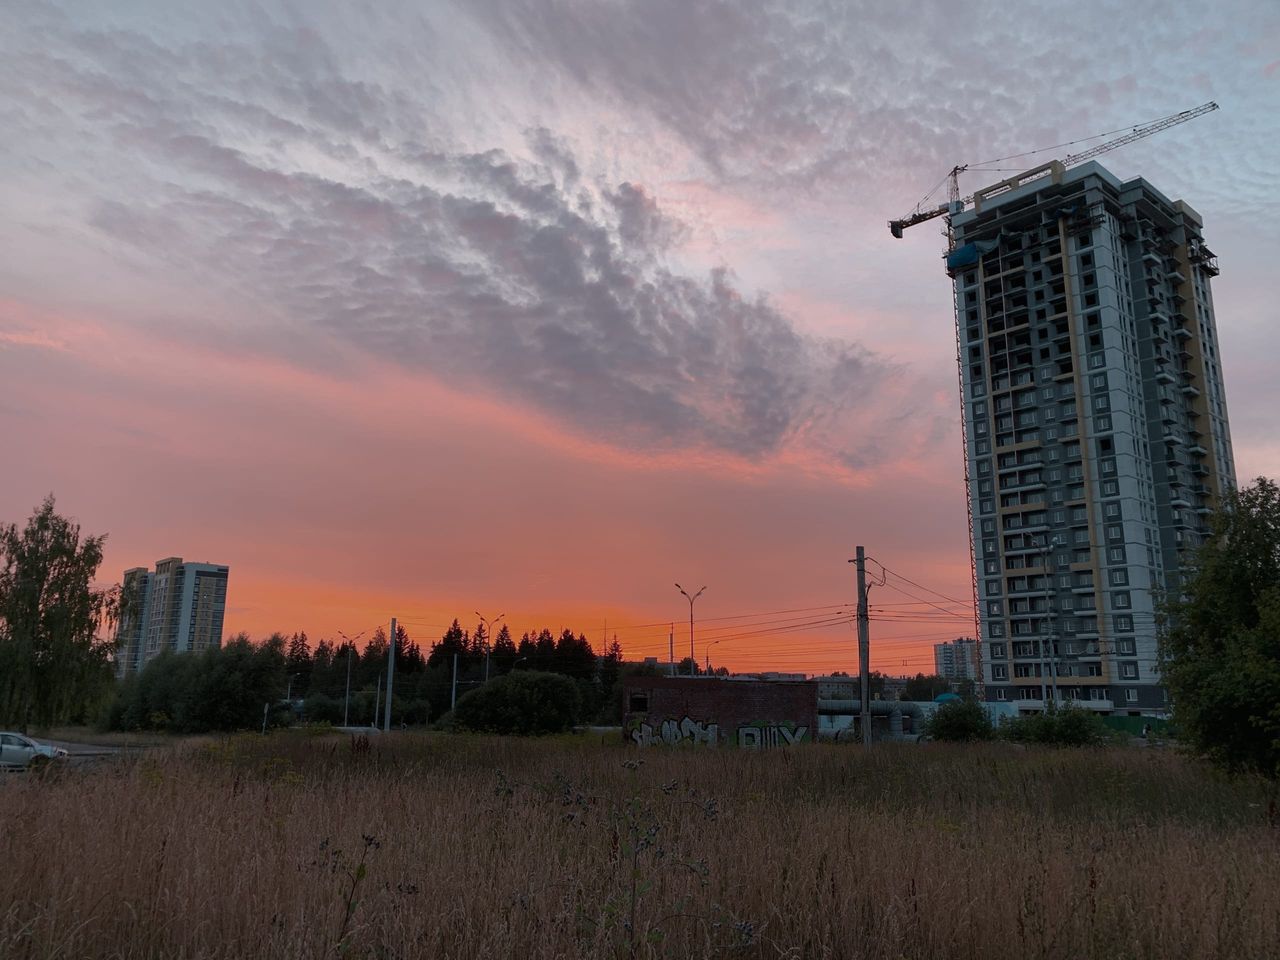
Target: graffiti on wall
{"points": [[759, 736], [684, 730]]}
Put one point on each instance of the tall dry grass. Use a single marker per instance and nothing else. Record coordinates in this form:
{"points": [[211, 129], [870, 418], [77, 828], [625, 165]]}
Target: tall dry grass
{"points": [[437, 846]]}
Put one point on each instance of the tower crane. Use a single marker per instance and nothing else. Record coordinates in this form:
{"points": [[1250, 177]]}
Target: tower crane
{"points": [[955, 204]]}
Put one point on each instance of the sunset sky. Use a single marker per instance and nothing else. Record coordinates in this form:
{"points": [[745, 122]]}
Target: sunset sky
{"points": [[535, 308]]}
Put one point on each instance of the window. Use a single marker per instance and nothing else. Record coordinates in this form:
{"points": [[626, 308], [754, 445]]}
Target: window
{"points": [[999, 672], [1120, 599], [1126, 647], [1001, 694], [1120, 578], [995, 608], [997, 651], [1131, 695], [1129, 671], [1110, 488], [1111, 510], [638, 702], [1115, 554], [993, 588]]}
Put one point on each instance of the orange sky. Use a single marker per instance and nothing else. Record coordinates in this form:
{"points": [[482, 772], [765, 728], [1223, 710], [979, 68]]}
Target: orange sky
{"points": [[535, 310]]}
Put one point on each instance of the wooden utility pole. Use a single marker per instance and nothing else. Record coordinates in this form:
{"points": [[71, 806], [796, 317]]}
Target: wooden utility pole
{"points": [[864, 647]]}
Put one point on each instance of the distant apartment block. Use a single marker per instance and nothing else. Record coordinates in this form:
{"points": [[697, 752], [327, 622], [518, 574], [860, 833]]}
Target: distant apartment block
{"points": [[1097, 440], [179, 606], [955, 659]]}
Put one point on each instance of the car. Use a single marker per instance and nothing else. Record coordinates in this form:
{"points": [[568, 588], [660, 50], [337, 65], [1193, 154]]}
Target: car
{"points": [[20, 752]]}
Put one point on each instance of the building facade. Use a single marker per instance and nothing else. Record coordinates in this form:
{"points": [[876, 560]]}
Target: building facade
{"points": [[719, 711], [1097, 439], [179, 607], [956, 659]]}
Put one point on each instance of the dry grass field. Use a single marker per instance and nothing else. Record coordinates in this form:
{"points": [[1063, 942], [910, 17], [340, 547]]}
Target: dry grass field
{"points": [[441, 846]]}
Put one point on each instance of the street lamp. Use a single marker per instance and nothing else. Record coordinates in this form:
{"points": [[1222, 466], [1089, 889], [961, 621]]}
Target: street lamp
{"points": [[707, 652], [693, 661], [514, 665], [488, 639], [351, 645]]}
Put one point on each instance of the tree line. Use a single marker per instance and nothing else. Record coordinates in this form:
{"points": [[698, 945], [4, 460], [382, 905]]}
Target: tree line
{"points": [[285, 678], [1219, 650]]}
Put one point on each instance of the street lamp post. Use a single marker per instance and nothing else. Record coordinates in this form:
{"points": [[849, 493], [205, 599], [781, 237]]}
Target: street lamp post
{"points": [[488, 639], [351, 645], [708, 652], [693, 660]]}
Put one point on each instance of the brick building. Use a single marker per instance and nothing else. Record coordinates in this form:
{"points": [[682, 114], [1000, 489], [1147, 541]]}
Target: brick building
{"points": [[717, 711]]}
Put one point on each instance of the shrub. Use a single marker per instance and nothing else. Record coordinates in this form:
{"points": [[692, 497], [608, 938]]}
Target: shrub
{"points": [[524, 702], [1058, 726], [960, 721]]}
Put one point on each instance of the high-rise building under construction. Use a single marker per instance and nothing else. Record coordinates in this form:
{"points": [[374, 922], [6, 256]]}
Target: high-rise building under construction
{"points": [[1097, 440]]}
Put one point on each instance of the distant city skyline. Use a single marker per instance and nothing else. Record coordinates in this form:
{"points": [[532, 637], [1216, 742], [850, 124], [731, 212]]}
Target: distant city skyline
{"points": [[418, 310]]}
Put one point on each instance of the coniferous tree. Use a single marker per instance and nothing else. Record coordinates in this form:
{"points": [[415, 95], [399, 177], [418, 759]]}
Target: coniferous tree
{"points": [[373, 661], [505, 653], [453, 641], [298, 663], [322, 668], [544, 651]]}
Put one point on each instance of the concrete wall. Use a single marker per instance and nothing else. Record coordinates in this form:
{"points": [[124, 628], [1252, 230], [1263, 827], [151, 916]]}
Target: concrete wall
{"points": [[716, 711]]}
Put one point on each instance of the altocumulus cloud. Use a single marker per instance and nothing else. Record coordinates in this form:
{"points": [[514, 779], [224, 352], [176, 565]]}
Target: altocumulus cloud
{"points": [[260, 163]]}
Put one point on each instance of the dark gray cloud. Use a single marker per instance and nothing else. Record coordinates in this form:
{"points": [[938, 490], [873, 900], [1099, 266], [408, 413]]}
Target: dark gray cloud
{"points": [[261, 166]]}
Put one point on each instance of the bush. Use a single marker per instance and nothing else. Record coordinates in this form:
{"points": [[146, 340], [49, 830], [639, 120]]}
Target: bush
{"points": [[960, 721], [524, 702], [1058, 726]]}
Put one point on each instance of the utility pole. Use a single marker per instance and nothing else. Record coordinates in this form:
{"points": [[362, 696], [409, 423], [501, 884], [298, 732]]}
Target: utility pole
{"points": [[351, 646], [453, 697], [864, 647], [391, 673], [346, 700], [672, 639], [377, 703]]}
